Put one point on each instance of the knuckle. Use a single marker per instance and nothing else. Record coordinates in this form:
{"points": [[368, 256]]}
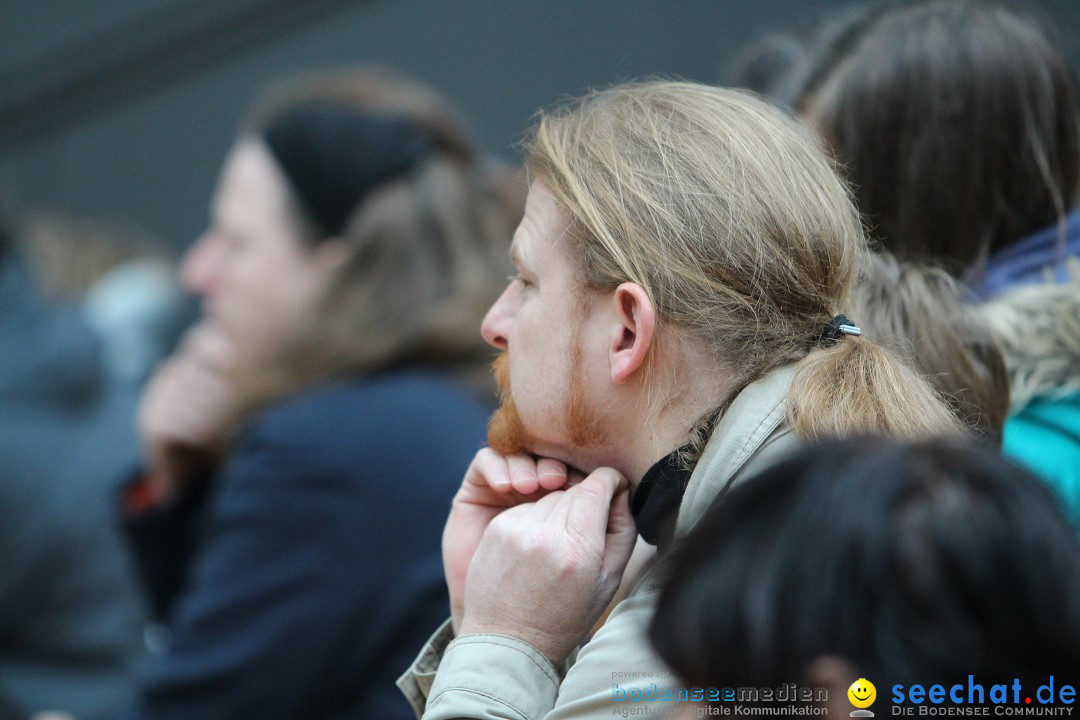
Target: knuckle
{"points": [[572, 564], [532, 543], [590, 490], [502, 528], [486, 464]]}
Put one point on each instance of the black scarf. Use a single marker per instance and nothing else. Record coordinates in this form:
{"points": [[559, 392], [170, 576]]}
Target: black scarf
{"points": [[656, 500]]}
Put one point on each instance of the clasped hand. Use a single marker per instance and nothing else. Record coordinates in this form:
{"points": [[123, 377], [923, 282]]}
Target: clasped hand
{"points": [[184, 408], [534, 551]]}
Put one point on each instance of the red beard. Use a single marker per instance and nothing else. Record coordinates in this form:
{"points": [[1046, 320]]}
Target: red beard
{"points": [[506, 431]]}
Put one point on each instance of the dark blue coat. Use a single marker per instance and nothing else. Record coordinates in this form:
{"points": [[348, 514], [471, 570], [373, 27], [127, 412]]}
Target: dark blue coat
{"points": [[315, 572]]}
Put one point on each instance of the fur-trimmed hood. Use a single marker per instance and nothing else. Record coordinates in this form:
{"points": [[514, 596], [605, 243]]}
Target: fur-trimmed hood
{"points": [[1038, 329]]}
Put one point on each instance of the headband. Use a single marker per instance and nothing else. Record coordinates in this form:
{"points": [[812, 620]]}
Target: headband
{"points": [[335, 156]]}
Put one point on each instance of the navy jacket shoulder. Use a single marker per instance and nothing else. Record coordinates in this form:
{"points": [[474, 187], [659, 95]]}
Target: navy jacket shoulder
{"points": [[405, 420], [316, 572]]}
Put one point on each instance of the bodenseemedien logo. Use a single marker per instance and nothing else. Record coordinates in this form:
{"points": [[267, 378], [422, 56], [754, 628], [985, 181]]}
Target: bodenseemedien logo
{"points": [[862, 694]]}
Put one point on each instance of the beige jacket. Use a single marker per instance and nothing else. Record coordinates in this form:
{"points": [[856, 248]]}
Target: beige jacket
{"points": [[492, 676]]}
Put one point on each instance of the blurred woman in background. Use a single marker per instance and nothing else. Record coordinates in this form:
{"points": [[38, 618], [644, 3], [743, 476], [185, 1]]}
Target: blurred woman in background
{"points": [[305, 442]]}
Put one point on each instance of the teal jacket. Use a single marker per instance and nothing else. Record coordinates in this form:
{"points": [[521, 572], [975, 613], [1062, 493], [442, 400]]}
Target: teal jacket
{"points": [[1045, 437]]}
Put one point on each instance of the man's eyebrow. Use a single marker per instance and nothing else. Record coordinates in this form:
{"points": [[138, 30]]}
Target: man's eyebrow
{"points": [[515, 254]]}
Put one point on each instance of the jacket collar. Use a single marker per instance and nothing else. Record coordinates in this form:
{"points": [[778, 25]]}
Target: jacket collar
{"points": [[748, 425]]}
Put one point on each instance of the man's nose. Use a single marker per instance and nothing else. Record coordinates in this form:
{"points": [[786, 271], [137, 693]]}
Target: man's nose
{"points": [[496, 325]]}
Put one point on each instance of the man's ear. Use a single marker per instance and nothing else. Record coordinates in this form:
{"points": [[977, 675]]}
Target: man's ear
{"points": [[632, 335]]}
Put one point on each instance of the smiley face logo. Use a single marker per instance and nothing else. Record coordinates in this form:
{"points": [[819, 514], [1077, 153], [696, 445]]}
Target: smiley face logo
{"points": [[862, 693]]}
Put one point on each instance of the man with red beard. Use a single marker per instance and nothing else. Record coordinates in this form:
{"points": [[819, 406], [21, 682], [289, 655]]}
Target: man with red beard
{"points": [[675, 324]]}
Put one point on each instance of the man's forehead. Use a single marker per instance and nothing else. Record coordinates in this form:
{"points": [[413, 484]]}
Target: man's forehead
{"points": [[543, 227], [521, 247], [516, 244]]}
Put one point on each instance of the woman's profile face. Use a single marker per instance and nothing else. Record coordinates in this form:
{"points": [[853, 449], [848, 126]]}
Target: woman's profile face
{"points": [[251, 269]]}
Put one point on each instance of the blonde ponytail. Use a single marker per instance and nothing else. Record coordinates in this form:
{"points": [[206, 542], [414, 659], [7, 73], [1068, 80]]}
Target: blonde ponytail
{"points": [[856, 387]]}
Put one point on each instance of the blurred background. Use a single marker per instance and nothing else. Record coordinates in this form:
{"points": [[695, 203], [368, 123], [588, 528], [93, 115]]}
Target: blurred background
{"points": [[124, 109]]}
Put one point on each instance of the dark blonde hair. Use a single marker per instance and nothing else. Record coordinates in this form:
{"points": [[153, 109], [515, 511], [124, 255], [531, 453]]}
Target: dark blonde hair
{"points": [[725, 211], [425, 250], [925, 314]]}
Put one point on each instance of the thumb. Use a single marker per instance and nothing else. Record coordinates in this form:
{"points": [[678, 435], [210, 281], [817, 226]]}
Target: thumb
{"points": [[621, 536]]}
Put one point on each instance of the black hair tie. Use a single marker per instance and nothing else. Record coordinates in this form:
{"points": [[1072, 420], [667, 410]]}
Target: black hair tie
{"points": [[837, 329]]}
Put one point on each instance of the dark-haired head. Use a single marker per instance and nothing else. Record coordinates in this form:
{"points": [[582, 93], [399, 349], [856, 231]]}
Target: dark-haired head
{"points": [[958, 122], [911, 563]]}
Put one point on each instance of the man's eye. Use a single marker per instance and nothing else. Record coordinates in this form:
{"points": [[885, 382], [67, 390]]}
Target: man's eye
{"points": [[521, 279]]}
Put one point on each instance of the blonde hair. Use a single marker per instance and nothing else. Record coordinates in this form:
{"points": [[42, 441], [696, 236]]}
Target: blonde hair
{"points": [[425, 251], [726, 212]]}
